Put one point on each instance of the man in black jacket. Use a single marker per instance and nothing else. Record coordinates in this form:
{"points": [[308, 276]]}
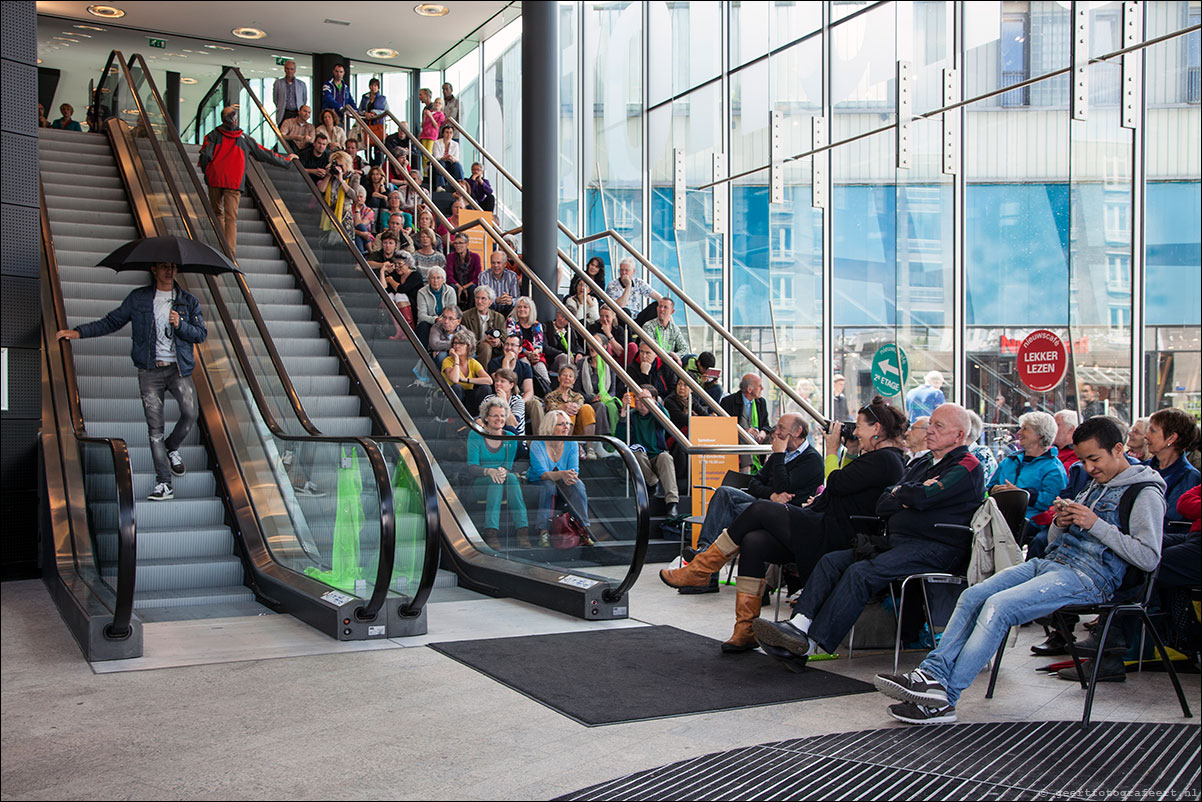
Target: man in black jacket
{"points": [[944, 487], [751, 410], [791, 475]]}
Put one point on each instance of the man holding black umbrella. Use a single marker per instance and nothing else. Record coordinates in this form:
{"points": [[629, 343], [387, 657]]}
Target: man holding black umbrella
{"points": [[166, 323]]}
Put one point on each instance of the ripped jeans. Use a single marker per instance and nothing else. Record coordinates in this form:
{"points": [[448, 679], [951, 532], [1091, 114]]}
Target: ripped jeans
{"points": [[986, 612], [154, 384]]}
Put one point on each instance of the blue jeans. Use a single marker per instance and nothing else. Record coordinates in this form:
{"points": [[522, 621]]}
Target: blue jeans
{"points": [[986, 612], [840, 586], [154, 384], [511, 488], [575, 495], [726, 504]]}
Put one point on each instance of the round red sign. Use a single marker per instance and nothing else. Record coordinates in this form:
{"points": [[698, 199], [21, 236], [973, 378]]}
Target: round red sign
{"points": [[1041, 360]]}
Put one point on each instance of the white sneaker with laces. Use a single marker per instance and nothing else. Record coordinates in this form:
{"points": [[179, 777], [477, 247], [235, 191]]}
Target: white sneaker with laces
{"points": [[177, 463], [162, 492]]}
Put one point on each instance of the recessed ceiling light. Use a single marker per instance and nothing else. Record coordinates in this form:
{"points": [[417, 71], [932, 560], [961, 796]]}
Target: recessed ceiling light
{"points": [[218, 47], [188, 81], [431, 10], [248, 33], [382, 52], [89, 27], [77, 33], [177, 55], [65, 39], [108, 12], [39, 61]]}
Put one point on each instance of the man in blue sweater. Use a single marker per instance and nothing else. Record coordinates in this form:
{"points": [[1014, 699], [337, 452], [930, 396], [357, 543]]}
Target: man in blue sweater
{"points": [[1085, 563], [166, 323], [943, 487]]}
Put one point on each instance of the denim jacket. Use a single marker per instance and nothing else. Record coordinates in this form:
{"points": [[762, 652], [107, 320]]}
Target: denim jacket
{"points": [[138, 308], [1103, 552]]}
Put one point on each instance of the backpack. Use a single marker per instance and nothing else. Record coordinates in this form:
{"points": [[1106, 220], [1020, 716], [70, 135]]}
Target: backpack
{"points": [[1127, 502]]}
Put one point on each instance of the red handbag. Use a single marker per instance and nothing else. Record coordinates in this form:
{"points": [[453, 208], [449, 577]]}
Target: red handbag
{"points": [[566, 531]]}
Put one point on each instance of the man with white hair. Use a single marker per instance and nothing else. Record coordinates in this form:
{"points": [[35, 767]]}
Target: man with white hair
{"points": [[629, 291], [923, 400], [1067, 421], [944, 487]]}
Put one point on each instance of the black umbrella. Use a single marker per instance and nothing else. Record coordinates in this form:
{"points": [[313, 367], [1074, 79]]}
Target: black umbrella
{"points": [[189, 255]]}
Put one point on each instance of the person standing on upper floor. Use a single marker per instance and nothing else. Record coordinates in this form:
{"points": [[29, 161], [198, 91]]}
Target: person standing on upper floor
{"points": [[298, 130], [336, 93], [665, 331], [166, 324], [629, 291], [65, 123], [1171, 432], [373, 108], [432, 122], [1090, 403], [289, 94], [1036, 468], [1067, 421], [450, 104], [223, 162], [42, 121], [923, 400], [751, 410], [839, 410]]}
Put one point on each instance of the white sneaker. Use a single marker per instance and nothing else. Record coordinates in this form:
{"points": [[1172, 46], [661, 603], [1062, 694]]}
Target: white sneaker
{"points": [[177, 463], [162, 492], [310, 490]]}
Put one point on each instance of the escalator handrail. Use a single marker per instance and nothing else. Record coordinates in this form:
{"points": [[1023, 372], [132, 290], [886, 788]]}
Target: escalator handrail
{"points": [[127, 529], [767, 372], [642, 504], [202, 197], [622, 315], [387, 554]]}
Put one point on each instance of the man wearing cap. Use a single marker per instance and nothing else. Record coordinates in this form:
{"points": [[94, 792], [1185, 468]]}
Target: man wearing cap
{"points": [[223, 161], [166, 323]]}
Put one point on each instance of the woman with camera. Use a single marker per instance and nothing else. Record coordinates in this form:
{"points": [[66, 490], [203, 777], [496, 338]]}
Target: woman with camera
{"points": [[769, 533]]}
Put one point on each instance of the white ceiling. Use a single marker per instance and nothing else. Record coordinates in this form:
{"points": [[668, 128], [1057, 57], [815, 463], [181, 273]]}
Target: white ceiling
{"points": [[293, 29]]}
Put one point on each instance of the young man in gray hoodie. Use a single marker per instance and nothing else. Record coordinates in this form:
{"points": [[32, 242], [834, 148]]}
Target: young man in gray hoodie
{"points": [[1084, 564]]}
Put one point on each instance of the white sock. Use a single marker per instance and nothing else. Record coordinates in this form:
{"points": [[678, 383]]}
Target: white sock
{"points": [[813, 650], [800, 623]]}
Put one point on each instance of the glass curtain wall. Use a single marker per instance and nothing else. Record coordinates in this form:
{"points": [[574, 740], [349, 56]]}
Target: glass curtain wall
{"points": [[1000, 217]]}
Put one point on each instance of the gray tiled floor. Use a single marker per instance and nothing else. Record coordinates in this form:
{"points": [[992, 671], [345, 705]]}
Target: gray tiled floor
{"points": [[407, 722]]}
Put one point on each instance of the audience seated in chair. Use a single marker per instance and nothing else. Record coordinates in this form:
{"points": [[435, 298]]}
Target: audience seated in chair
{"points": [[751, 410], [649, 435], [944, 487], [504, 387], [1036, 468], [485, 322], [771, 533], [502, 281], [1085, 563], [467, 377], [432, 299], [584, 419]]}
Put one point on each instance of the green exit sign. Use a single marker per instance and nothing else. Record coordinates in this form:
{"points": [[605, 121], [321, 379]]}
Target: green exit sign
{"points": [[280, 61], [161, 44]]}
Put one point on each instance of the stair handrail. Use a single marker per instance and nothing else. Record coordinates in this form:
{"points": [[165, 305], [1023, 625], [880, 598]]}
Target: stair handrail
{"points": [[127, 529], [603, 296], [387, 555], [498, 237], [637, 255]]}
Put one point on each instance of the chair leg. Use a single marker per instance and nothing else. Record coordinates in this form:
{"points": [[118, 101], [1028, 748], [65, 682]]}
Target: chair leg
{"points": [[1096, 668], [997, 664], [1168, 664], [1062, 628], [899, 605]]}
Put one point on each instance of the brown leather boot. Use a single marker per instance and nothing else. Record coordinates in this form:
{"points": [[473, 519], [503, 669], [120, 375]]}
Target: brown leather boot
{"points": [[697, 573], [492, 538], [748, 600], [522, 535]]}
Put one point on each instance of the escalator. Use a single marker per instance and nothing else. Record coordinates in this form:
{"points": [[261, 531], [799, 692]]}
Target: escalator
{"points": [[362, 323], [237, 539]]}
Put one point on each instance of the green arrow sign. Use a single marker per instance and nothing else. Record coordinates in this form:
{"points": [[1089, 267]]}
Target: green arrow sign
{"points": [[890, 370], [161, 44]]}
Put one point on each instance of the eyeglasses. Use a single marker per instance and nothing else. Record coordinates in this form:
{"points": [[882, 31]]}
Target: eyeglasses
{"points": [[868, 410]]}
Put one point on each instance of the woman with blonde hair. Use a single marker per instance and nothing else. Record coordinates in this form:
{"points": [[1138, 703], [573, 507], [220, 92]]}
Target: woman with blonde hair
{"points": [[523, 321], [339, 192], [555, 467]]}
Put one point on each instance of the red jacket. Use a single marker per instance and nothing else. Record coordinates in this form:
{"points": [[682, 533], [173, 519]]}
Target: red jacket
{"points": [[1190, 506], [223, 157]]}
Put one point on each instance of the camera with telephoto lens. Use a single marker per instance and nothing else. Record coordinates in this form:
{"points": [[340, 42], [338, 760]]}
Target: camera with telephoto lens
{"points": [[847, 431]]}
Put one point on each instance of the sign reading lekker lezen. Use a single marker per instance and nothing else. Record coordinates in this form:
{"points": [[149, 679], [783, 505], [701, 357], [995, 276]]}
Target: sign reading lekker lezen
{"points": [[1042, 360]]}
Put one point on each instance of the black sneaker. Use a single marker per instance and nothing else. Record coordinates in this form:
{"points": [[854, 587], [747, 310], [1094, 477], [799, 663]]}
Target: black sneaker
{"points": [[921, 714], [162, 492], [781, 634], [177, 463], [918, 687]]}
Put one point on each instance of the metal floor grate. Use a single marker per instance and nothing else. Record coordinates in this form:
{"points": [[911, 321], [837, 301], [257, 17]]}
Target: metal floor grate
{"points": [[1005, 760]]}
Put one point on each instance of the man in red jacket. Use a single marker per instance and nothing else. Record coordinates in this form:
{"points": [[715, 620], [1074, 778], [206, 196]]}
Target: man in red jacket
{"points": [[223, 161]]}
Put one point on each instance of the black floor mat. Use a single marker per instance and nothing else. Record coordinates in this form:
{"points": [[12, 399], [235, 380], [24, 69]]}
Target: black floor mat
{"points": [[637, 673]]}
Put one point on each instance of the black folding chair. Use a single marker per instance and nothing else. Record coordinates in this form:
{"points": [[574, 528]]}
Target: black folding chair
{"points": [[1135, 578]]}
